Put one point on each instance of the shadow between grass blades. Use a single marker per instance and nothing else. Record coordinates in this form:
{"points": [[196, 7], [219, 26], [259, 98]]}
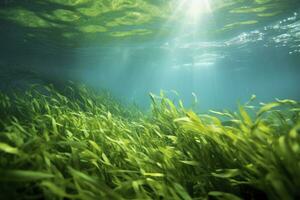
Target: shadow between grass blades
{"points": [[79, 144]]}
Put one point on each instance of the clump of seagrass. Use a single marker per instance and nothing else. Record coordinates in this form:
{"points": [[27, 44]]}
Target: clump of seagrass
{"points": [[82, 145]]}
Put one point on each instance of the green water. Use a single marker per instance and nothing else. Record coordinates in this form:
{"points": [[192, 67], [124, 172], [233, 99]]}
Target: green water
{"points": [[149, 99], [223, 51]]}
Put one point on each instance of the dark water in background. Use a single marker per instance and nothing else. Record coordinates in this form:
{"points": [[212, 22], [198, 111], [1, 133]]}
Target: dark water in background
{"points": [[221, 69]]}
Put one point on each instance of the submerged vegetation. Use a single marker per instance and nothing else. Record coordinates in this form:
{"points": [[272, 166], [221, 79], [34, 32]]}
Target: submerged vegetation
{"points": [[77, 144], [69, 142]]}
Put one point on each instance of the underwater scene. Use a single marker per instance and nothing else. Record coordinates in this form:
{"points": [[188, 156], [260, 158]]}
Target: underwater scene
{"points": [[150, 99]]}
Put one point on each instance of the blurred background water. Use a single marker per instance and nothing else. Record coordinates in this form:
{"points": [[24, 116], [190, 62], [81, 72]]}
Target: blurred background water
{"points": [[221, 50]]}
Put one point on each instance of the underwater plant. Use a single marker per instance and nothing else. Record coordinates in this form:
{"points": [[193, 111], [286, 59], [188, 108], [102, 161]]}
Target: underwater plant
{"points": [[79, 144]]}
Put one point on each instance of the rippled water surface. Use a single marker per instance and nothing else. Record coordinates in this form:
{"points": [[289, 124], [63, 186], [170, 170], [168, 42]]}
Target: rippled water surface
{"points": [[223, 51]]}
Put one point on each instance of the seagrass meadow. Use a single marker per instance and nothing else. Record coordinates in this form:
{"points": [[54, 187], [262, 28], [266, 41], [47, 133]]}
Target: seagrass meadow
{"points": [[80, 144], [149, 99]]}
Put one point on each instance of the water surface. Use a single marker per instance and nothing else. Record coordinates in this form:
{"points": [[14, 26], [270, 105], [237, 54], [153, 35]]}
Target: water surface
{"points": [[221, 50]]}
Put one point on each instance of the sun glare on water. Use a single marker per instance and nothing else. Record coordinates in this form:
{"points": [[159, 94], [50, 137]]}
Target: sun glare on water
{"points": [[196, 8]]}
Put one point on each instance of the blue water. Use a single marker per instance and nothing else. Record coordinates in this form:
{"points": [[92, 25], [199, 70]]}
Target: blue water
{"points": [[220, 69]]}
